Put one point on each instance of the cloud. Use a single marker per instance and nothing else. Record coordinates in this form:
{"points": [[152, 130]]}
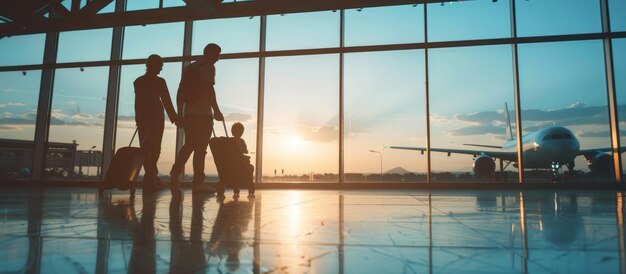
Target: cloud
{"points": [[323, 134], [4, 105], [5, 121], [4, 127], [576, 114], [238, 117]]}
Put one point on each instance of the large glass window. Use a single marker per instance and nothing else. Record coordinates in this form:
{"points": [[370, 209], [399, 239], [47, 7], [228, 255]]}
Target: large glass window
{"points": [[165, 40], [85, 45], [19, 92], [465, 20], [231, 34], [126, 113], [303, 30], [22, 49], [617, 16], [384, 105], [469, 134], [555, 17], [384, 25], [564, 111], [77, 123], [300, 132]]}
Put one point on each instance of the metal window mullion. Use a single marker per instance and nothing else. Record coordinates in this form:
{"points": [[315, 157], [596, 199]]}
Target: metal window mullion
{"points": [[110, 121], [341, 96], [611, 93], [516, 89], [187, 52], [260, 102], [44, 107], [427, 95]]}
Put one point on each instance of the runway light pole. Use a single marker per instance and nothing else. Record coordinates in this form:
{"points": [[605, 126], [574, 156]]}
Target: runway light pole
{"points": [[90, 158], [381, 162]]}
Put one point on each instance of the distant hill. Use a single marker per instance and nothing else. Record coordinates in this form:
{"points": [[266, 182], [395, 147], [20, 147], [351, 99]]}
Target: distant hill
{"points": [[398, 170]]}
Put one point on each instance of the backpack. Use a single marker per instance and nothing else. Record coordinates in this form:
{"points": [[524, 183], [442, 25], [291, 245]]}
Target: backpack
{"points": [[191, 84]]}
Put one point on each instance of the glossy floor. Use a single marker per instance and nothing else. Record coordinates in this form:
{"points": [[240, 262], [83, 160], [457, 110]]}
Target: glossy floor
{"points": [[281, 231]]}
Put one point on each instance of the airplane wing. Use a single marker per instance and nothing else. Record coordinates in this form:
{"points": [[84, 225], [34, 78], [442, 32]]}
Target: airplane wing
{"points": [[504, 155], [599, 150]]}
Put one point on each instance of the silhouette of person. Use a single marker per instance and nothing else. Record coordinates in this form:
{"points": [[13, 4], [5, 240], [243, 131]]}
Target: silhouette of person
{"points": [[197, 101], [237, 130], [151, 96]]}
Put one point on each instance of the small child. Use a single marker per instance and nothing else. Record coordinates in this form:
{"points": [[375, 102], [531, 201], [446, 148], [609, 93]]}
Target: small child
{"points": [[237, 131]]}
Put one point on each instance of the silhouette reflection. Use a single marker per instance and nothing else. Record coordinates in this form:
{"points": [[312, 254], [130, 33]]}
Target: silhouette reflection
{"points": [[232, 221], [187, 256]]}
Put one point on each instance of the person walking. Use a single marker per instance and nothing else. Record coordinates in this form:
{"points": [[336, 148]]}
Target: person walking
{"points": [[197, 101], [151, 96]]}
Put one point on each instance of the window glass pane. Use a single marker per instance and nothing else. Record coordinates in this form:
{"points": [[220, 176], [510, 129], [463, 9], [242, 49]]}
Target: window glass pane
{"points": [[232, 34], [141, 4], [173, 3], [300, 128], [77, 123], [126, 114], [85, 45], [19, 93], [303, 30], [467, 106], [536, 18], [384, 25], [617, 15], [563, 91], [384, 104], [467, 20], [22, 50], [165, 40], [109, 8], [619, 64]]}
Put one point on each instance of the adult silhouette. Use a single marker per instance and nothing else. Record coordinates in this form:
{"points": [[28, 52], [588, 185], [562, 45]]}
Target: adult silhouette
{"points": [[151, 96], [197, 101]]}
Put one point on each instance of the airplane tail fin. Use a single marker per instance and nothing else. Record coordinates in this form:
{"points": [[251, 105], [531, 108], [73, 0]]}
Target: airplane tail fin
{"points": [[509, 130]]}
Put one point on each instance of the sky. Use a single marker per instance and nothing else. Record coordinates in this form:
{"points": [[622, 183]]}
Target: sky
{"points": [[561, 83]]}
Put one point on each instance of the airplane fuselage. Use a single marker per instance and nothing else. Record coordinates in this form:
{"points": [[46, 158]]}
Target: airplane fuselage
{"points": [[547, 146]]}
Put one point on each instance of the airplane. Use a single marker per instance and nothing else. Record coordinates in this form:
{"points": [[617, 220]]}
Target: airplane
{"points": [[548, 148]]}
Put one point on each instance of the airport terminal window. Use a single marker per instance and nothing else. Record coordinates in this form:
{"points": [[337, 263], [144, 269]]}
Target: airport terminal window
{"points": [[300, 131], [384, 25], [619, 64], [165, 40], [384, 105], [465, 20], [231, 34], [556, 17], [303, 30], [22, 49], [477, 115], [77, 123], [141, 4], [617, 16], [126, 113], [84, 45], [563, 91], [19, 93]]}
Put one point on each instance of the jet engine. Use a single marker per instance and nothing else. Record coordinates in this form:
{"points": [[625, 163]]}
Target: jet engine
{"points": [[484, 166], [600, 163]]}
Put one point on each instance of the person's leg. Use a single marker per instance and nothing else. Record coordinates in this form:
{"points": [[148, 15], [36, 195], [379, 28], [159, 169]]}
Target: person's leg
{"points": [[146, 146], [205, 127], [186, 149]]}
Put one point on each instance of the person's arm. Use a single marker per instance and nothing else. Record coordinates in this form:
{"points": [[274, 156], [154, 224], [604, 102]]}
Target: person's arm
{"points": [[216, 109], [167, 102]]}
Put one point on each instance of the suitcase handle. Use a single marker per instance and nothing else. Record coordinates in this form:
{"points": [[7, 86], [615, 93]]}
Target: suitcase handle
{"points": [[132, 139], [225, 130]]}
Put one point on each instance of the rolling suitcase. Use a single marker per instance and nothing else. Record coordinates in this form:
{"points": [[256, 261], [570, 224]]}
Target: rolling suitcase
{"points": [[124, 169], [232, 168]]}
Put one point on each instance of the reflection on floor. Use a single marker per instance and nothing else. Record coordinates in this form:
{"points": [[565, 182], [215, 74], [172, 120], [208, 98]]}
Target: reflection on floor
{"points": [[281, 231]]}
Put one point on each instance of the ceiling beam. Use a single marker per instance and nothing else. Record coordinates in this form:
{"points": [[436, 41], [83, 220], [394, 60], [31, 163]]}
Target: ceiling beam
{"points": [[178, 14]]}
